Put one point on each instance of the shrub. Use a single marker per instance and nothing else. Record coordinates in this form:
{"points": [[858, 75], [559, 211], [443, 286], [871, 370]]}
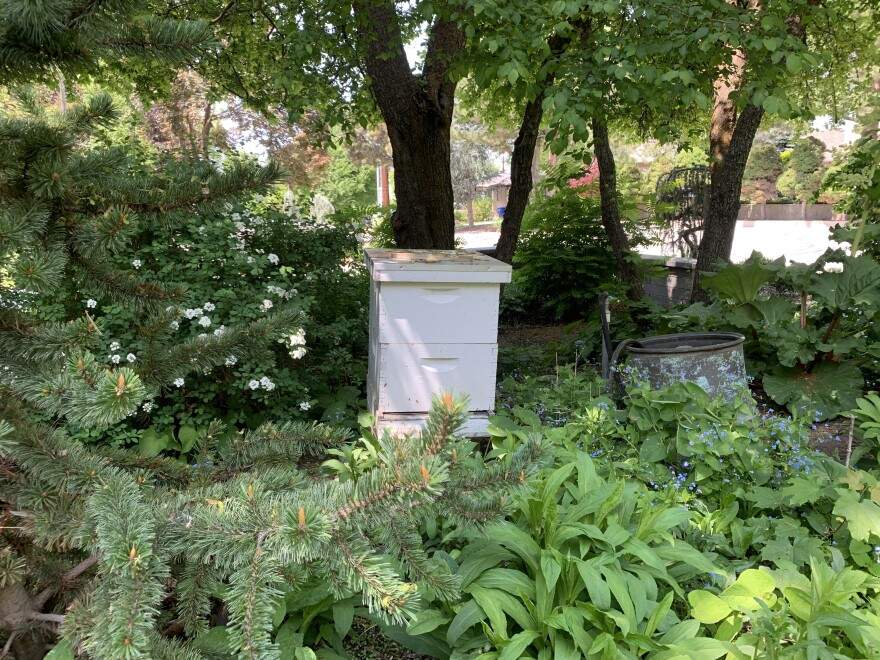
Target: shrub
{"points": [[564, 257], [762, 171], [236, 265], [804, 169]]}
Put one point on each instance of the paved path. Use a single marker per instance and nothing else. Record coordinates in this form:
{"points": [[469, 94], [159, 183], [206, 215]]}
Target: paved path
{"points": [[772, 238]]}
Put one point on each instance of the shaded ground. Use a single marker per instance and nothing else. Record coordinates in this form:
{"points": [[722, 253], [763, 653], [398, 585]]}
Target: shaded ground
{"points": [[366, 642]]}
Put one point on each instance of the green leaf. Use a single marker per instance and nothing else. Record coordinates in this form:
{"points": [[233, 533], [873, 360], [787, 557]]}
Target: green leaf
{"points": [[491, 606], [469, 615], [706, 607], [343, 615], [862, 516], [426, 621], [518, 644], [600, 594], [550, 569], [857, 285], [187, 436], [151, 443], [830, 388], [63, 650], [741, 283], [793, 63], [750, 586]]}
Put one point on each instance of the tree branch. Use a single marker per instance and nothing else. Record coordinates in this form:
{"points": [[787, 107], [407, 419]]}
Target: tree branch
{"points": [[43, 597]]}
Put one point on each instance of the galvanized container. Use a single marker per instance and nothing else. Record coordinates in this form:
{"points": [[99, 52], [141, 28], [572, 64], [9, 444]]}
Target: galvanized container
{"points": [[712, 360]]}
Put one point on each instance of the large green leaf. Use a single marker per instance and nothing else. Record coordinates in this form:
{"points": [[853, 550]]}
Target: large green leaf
{"points": [[829, 389], [857, 285], [706, 607], [862, 516], [742, 282]]}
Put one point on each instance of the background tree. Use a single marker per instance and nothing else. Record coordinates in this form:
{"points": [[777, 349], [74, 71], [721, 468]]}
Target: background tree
{"points": [[815, 44], [347, 61], [471, 163], [804, 169], [762, 170]]}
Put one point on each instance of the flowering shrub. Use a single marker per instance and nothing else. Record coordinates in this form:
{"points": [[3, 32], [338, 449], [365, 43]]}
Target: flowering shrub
{"points": [[234, 267]]}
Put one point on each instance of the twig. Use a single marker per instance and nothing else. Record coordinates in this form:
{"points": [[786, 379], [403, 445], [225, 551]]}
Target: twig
{"points": [[70, 576], [8, 644], [51, 618], [852, 424]]}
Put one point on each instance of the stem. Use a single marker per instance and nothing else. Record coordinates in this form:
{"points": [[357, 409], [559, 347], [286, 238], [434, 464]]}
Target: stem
{"points": [[51, 618], [70, 576], [852, 423]]}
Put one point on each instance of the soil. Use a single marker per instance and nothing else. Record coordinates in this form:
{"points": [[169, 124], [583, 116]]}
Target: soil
{"points": [[523, 336], [366, 642]]}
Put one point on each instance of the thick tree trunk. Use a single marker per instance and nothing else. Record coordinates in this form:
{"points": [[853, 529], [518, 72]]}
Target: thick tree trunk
{"points": [[422, 181], [724, 193], [730, 142], [470, 209], [418, 115], [522, 161], [611, 222]]}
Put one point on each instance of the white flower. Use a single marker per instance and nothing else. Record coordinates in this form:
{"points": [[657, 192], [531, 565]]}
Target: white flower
{"points": [[266, 306], [219, 331], [192, 313], [202, 230], [298, 338], [174, 325], [136, 263], [169, 309], [305, 405], [239, 225], [298, 352], [208, 307], [202, 335], [115, 359], [267, 384], [91, 303], [131, 357], [231, 360], [148, 406], [258, 198], [204, 321], [178, 382], [254, 384], [206, 191], [114, 345], [250, 260], [273, 258], [236, 216]]}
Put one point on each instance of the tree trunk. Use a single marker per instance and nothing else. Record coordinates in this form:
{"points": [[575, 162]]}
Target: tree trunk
{"points": [[422, 181], [611, 222], [206, 130], [730, 141], [418, 115], [725, 186], [470, 209], [520, 179], [522, 162]]}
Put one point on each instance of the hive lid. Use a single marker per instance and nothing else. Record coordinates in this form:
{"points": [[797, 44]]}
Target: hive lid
{"points": [[391, 265]]}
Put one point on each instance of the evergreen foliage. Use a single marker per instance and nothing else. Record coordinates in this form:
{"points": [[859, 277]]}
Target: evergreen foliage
{"points": [[40, 39], [241, 523], [68, 207]]}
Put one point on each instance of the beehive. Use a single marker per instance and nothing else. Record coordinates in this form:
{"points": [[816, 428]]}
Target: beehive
{"points": [[433, 328]]}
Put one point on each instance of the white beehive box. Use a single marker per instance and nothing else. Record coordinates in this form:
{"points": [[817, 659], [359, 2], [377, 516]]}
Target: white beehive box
{"points": [[433, 328]]}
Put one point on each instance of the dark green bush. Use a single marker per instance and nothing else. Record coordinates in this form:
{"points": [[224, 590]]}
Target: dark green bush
{"points": [[564, 257]]}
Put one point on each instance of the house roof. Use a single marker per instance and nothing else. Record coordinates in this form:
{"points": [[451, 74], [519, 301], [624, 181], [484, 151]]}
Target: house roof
{"points": [[501, 180]]}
